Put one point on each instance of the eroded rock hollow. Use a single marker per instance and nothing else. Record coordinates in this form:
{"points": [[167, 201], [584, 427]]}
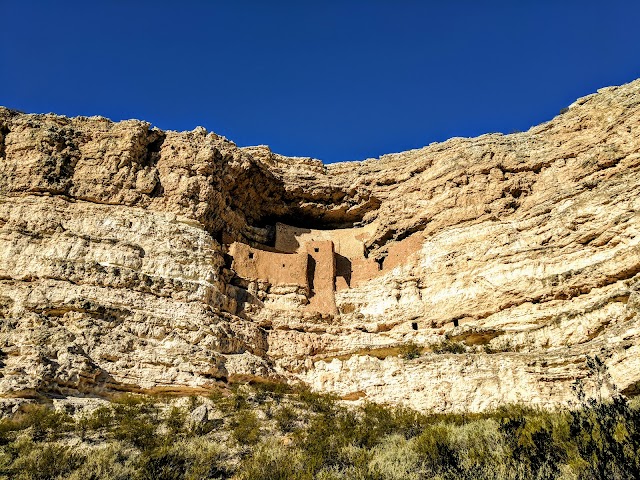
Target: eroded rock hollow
{"points": [[134, 259]]}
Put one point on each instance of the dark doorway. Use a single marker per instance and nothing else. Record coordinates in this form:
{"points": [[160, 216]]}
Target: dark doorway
{"points": [[343, 268], [311, 272]]}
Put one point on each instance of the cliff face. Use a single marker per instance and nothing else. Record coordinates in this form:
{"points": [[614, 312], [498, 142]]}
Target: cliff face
{"points": [[142, 260]]}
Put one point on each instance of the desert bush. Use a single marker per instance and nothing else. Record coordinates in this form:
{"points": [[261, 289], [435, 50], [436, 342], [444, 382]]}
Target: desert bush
{"points": [[246, 428], [286, 418], [437, 453], [395, 459], [140, 432], [533, 451], [101, 418], [354, 462], [481, 447], [270, 391], [175, 421], [277, 390], [409, 422], [217, 396], [112, 462], [316, 402], [206, 459], [448, 346], [135, 421], [325, 436], [606, 436], [274, 461], [41, 421], [375, 422], [164, 463], [239, 401], [329, 441], [410, 350], [44, 462]]}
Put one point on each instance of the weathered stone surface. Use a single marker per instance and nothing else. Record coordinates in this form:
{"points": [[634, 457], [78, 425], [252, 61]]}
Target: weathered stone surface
{"points": [[118, 270]]}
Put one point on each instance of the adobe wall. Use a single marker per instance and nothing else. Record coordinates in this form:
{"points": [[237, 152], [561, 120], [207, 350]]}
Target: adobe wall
{"points": [[363, 270], [314, 261], [287, 237], [276, 268], [398, 252], [348, 242], [322, 272]]}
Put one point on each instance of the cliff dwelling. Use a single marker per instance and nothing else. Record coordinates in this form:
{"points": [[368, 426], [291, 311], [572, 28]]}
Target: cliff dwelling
{"points": [[137, 285], [319, 262]]}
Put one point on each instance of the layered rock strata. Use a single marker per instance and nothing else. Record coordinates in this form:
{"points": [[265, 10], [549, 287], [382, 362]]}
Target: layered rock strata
{"points": [[134, 259]]}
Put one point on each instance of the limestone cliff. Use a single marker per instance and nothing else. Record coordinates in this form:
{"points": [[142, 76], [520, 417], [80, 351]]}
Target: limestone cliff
{"points": [[142, 260]]}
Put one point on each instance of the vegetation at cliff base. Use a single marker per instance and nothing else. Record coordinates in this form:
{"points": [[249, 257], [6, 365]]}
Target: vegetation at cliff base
{"points": [[273, 432]]}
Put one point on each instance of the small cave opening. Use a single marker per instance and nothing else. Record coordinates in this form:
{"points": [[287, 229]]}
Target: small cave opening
{"points": [[455, 322], [4, 131], [152, 155], [414, 325]]}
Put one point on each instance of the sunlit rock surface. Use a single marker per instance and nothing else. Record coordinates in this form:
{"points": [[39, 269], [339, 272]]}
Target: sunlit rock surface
{"points": [[133, 259]]}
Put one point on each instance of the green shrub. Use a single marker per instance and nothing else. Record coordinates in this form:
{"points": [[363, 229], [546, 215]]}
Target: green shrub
{"points": [[394, 459], [316, 402], [135, 421], [101, 418], [6, 431], [162, 464], [45, 462], [286, 418], [273, 461], [480, 449], [325, 436], [112, 462], [410, 350], [607, 438], [599, 439], [239, 402], [375, 422], [532, 447], [354, 462], [270, 391], [448, 346], [175, 421], [217, 396], [246, 428], [437, 452], [43, 422], [206, 459], [140, 432], [408, 422]]}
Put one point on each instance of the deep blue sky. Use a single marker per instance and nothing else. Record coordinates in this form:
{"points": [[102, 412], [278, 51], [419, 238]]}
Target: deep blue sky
{"points": [[336, 80]]}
